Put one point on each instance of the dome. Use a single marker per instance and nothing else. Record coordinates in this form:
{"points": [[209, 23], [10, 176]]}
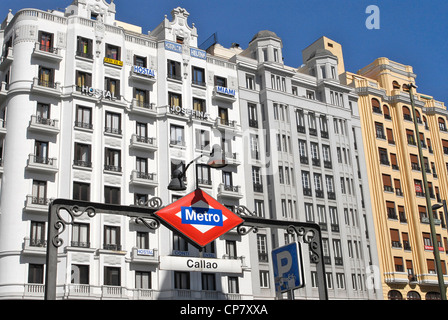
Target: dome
{"points": [[265, 34], [320, 53]]}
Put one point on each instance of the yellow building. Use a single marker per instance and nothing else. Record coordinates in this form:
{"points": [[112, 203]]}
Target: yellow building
{"points": [[404, 243]]}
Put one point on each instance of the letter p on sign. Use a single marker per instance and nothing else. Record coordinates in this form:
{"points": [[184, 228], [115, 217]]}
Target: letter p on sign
{"points": [[287, 265]]}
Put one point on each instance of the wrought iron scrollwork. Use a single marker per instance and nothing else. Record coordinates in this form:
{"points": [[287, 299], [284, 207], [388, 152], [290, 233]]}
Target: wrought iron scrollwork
{"points": [[243, 229], [151, 223], [154, 202], [61, 223], [309, 236]]}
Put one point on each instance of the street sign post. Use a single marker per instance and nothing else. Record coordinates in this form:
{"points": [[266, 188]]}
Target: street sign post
{"points": [[199, 217], [288, 267]]}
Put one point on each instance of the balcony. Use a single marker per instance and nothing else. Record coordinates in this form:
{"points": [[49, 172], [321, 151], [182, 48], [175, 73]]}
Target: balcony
{"points": [[143, 179], [2, 127], [143, 143], [229, 191], [44, 125], [224, 94], [145, 255], [34, 246], [6, 59], [142, 75], [225, 124], [37, 204], [4, 88], [42, 164], [48, 88], [232, 158], [47, 53], [143, 108]]}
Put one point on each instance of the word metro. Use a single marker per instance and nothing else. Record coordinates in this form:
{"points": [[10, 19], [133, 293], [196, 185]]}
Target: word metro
{"points": [[203, 216]]}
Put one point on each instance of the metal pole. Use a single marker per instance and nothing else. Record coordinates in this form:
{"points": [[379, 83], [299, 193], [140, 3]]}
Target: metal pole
{"points": [[52, 256], [428, 202]]}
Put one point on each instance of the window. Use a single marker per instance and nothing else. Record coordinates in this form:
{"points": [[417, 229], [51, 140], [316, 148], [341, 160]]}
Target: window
{"points": [[174, 70], [220, 81], [264, 279], [140, 61], [113, 122], [199, 105], [80, 274], [198, 76], [84, 48], [112, 195], [142, 280], [81, 235], [45, 41], [262, 248], [112, 276], [208, 281], [181, 280], [112, 160], [175, 99], [39, 192], [142, 240], [112, 238], [36, 273], [83, 117], [113, 85], [141, 98], [254, 146], [379, 130], [203, 172], [41, 152], [37, 234], [177, 135], [252, 109], [141, 129], [256, 179], [82, 155], [306, 183], [81, 191], [112, 52], [46, 77], [83, 79], [233, 286], [250, 82], [231, 249], [309, 212], [259, 208], [179, 243]]}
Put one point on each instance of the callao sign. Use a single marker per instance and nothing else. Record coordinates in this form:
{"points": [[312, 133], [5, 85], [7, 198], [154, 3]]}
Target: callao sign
{"points": [[199, 217]]}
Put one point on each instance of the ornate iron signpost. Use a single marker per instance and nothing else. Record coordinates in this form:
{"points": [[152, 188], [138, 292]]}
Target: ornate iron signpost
{"points": [[62, 213]]}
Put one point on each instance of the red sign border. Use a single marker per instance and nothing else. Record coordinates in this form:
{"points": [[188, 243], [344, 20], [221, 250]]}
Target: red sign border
{"points": [[168, 215]]}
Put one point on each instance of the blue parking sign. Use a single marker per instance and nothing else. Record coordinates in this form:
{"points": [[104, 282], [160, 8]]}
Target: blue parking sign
{"points": [[288, 267]]}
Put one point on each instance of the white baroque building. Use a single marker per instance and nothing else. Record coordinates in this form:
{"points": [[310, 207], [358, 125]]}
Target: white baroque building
{"points": [[93, 109]]}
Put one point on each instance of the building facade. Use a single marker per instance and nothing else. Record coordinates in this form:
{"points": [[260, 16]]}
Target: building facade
{"points": [[93, 109], [399, 207]]}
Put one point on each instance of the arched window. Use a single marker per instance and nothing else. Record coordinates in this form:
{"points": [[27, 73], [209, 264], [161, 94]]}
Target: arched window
{"points": [[413, 295], [405, 87], [433, 296], [376, 107], [417, 114], [407, 113], [395, 85], [425, 122], [386, 112], [394, 295], [442, 125]]}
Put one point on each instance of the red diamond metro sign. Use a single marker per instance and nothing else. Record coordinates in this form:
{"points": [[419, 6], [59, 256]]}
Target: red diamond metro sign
{"points": [[199, 217]]}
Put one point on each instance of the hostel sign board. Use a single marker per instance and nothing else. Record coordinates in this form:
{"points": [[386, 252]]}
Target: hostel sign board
{"points": [[199, 217]]}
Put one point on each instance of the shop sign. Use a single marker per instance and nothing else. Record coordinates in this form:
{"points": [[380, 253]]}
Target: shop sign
{"points": [[113, 61], [189, 112], [97, 93]]}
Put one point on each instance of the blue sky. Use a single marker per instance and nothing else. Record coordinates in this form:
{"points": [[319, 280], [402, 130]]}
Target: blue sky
{"points": [[412, 32]]}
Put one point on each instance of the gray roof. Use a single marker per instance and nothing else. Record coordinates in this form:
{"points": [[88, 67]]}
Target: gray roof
{"points": [[265, 34]]}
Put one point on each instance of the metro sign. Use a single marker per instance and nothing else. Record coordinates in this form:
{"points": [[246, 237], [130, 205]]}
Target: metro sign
{"points": [[199, 217]]}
